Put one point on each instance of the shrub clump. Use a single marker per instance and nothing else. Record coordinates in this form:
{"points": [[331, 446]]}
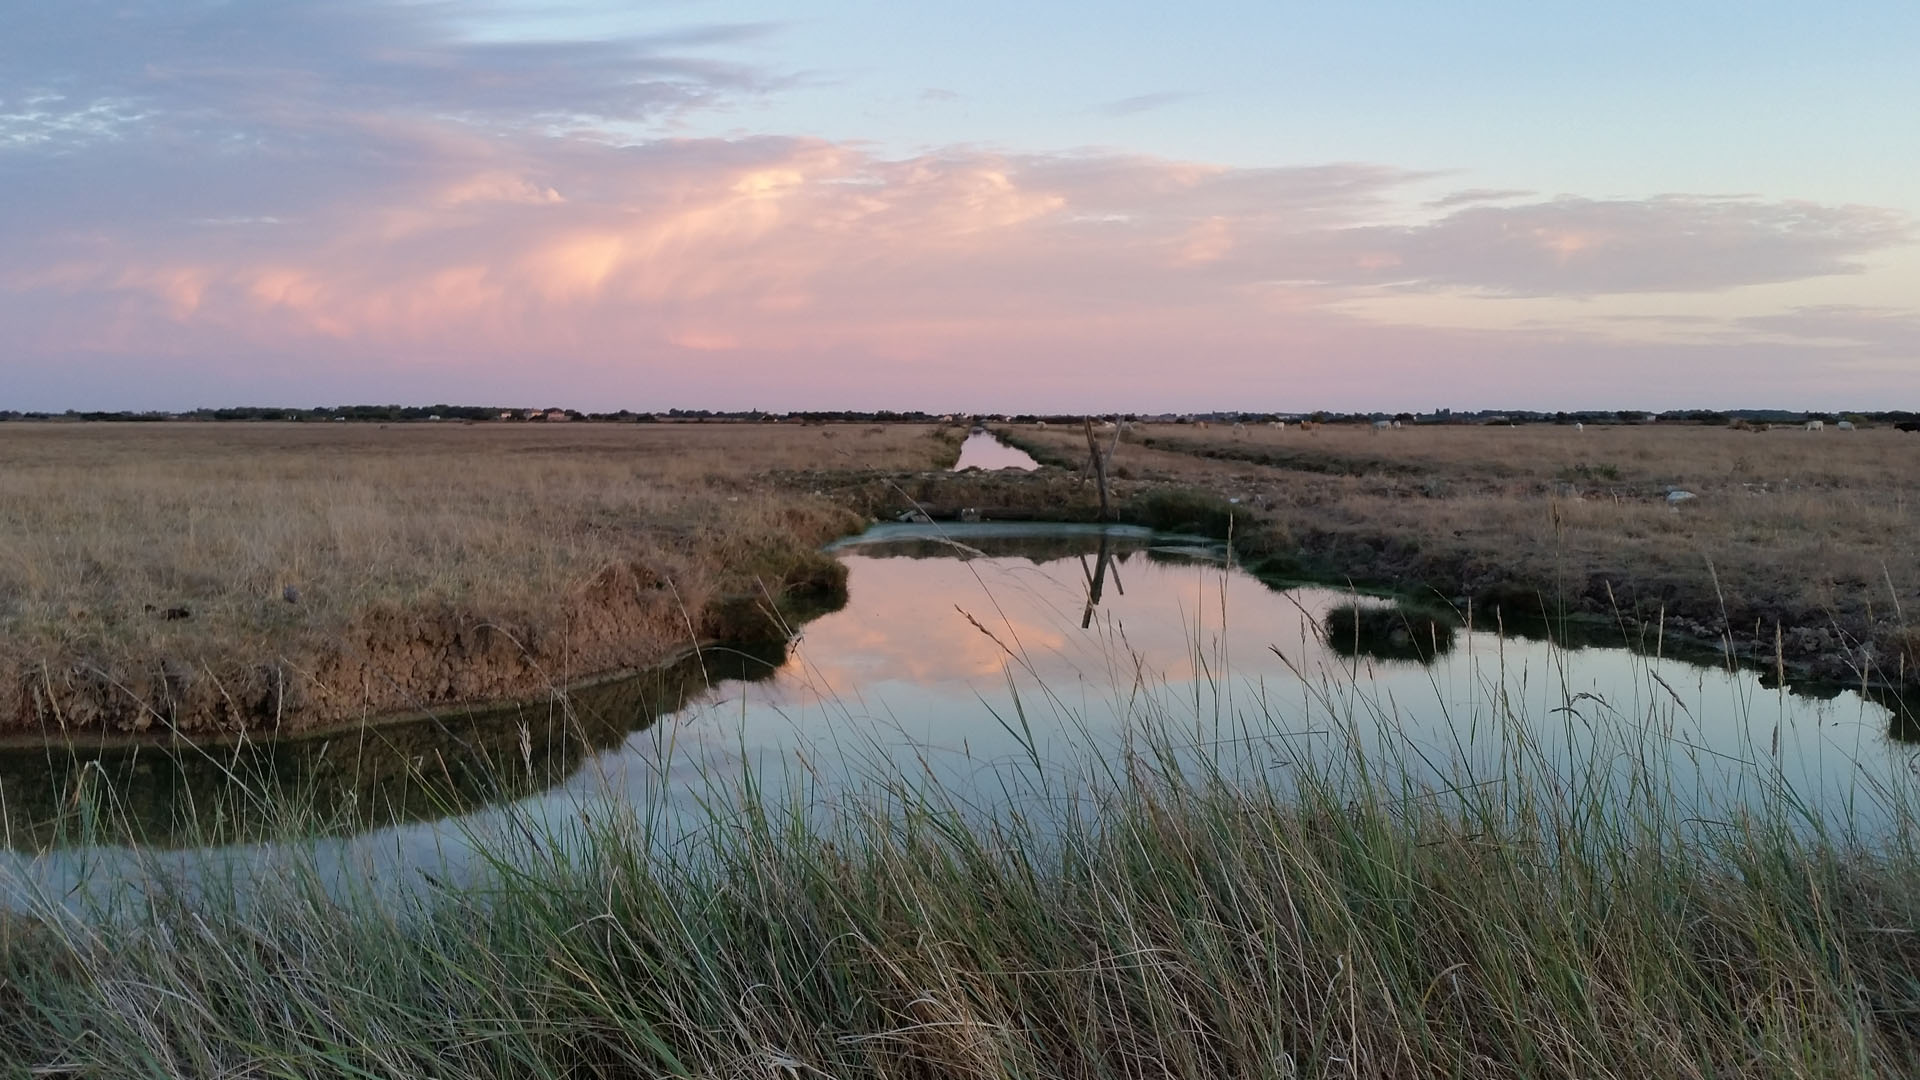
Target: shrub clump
{"points": [[1186, 511], [1400, 632]]}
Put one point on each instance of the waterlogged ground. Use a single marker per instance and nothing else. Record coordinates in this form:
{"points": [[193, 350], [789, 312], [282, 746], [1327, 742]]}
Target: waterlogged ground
{"points": [[996, 659]]}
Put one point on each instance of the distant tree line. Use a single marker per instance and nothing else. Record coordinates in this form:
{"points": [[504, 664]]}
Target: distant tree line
{"points": [[500, 414]]}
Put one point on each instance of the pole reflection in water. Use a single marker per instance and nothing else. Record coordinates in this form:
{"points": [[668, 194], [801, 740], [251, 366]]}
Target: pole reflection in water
{"points": [[903, 672], [1097, 578]]}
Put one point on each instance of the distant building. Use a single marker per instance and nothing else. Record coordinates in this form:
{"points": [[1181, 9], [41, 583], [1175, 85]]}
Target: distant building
{"points": [[557, 416]]}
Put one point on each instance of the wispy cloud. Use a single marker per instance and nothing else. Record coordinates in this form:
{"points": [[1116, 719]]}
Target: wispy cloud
{"points": [[1881, 330], [280, 72], [351, 199], [1141, 103], [1670, 243], [39, 118], [1478, 195], [773, 256]]}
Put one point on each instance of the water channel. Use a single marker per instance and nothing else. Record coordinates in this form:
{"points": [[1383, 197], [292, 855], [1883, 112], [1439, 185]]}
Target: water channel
{"points": [[962, 652], [983, 450]]}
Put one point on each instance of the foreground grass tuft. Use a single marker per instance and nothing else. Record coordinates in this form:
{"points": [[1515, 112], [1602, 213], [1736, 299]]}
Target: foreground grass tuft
{"points": [[1180, 911]]}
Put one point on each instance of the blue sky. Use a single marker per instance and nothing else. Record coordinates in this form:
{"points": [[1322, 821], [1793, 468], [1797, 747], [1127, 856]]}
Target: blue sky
{"points": [[1623, 98], [853, 203]]}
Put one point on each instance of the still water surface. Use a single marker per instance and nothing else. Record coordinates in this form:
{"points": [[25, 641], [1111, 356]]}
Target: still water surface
{"points": [[963, 652], [983, 451]]}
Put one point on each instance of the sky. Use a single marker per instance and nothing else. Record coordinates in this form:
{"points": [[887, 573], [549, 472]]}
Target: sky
{"points": [[981, 207]]}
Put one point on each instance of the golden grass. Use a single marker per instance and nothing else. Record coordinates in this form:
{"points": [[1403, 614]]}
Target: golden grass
{"points": [[100, 522], [1819, 532], [443, 563], [1276, 903], [1196, 907]]}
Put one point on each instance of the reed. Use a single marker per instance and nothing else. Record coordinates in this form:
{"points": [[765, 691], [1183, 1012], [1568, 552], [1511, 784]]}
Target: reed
{"points": [[1246, 884], [220, 577], [1818, 528]]}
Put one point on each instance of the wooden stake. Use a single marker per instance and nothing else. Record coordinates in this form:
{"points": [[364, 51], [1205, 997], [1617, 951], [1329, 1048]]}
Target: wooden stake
{"points": [[1099, 461]]}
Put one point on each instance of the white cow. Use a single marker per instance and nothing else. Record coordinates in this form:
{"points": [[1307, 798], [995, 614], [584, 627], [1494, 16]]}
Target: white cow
{"points": [[1041, 424], [1279, 425], [1239, 430], [1816, 425], [1381, 425], [1845, 425], [1578, 426]]}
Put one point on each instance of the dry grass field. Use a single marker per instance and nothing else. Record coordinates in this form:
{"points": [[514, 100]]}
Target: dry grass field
{"points": [[1181, 906], [427, 563], [1817, 533], [219, 577], [1181, 909]]}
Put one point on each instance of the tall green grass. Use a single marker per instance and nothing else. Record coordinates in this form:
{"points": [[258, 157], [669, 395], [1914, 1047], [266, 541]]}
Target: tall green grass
{"points": [[1248, 891]]}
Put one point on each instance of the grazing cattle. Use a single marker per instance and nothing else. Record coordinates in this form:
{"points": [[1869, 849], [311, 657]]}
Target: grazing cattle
{"points": [[1816, 425], [1201, 424], [1041, 424], [1845, 425], [1381, 425], [1578, 426], [1279, 425], [1907, 425], [1239, 429]]}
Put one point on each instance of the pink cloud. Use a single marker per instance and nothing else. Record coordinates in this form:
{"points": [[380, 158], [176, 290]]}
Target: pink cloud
{"points": [[814, 268]]}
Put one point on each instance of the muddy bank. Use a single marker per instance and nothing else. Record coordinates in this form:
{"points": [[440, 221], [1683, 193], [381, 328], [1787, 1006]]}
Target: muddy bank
{"points": [[1650, 612], [391, 663], [1349, 513], [424, 768], [1647, 608]]}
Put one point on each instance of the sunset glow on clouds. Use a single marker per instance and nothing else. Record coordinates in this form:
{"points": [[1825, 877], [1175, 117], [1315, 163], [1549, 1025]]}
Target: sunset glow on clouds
{"points": [[311, 202]]}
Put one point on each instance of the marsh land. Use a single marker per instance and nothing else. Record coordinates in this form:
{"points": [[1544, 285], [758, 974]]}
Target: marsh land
{"points": [[982, 821], [1796, 549], [212, 578]]}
